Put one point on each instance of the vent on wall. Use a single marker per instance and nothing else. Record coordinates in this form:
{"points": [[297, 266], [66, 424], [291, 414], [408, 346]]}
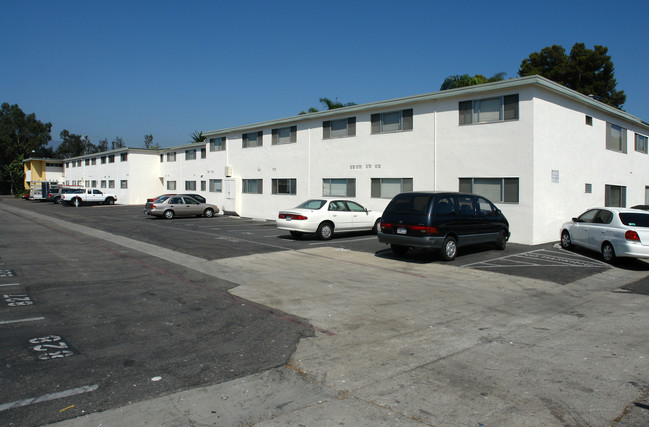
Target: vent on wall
{"points": [[228, 171]]}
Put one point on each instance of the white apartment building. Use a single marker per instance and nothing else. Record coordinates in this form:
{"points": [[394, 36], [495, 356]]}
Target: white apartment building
{"points": [[542, 153]]}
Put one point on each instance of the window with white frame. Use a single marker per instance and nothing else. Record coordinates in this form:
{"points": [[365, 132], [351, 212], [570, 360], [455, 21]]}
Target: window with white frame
{"points": [[285, 135], [190, 185], [339, 187], [615, 196], [387, 188], [252, 186], [498, 190], [217, 144], [393, 121], [111, 183], [489, 110], [87, 183], [284, 186], [216, 185], [339, 128], [190, 154], [123, 184], [640, 143], [171, 157], [171, 185], [615, 138], [253, 139]]}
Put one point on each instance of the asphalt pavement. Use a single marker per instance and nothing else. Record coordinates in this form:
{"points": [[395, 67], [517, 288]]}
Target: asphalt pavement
{"points": [[382, 340]]}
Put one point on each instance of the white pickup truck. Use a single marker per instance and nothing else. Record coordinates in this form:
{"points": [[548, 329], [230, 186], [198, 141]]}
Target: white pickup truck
{"points": [[79, 196]]}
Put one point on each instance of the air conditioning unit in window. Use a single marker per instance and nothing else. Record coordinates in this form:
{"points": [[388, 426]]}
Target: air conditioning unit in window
{"points": [[228, 171]]}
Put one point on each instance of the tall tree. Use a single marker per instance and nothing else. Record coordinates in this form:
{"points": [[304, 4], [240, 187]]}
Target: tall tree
{"points": [[148, 143], [73, 145], [102, 145], [329, 105], [462, 80], [117, 143], [588, 71], [14, 172]]}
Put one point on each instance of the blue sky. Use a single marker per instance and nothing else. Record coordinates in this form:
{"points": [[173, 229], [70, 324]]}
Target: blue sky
{"points": [[129, 68]]}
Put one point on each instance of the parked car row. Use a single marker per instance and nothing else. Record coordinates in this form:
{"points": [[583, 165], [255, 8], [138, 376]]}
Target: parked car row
{"points": [[78, 196]]}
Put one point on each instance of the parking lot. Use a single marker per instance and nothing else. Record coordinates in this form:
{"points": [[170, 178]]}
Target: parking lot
{"points": [[89, 324]]}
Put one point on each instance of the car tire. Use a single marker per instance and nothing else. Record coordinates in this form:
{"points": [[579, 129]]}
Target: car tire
{"points": [[449, 249], [608, 253], [399, 250], [325, 231], [296, 234], [109, 201], [56, 200], [208, 213], [501, 240], [168, 214], [566, 241], [377, 226]]}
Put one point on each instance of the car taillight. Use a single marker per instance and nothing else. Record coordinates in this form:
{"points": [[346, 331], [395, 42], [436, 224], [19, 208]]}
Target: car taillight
{"points": [[292, 217], [411, 228], [152, 206], [632, 235]]}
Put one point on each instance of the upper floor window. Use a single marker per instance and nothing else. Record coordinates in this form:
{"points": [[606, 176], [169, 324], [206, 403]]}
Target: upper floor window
{"points": [[93, 161], [641, 143], [203, 153], [394, 121], [286, 135], [217, 144], [339, 128], [284, 186], [171, 157], [190, 155], [111, 158], [489, 110], [171, 185], [615, 138], [162, 156], [103, 160], [123, 157], [253, 139]]}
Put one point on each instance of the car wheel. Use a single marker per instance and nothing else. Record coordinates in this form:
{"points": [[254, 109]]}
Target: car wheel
{"points": [[109, 201], [566, 242], [296, 234], [608, 253], [501, 240], [168, 214], [76, 202], [449, 249], [325, 231], [377, 226], [208, 213], [399, 250], [56, 200]]}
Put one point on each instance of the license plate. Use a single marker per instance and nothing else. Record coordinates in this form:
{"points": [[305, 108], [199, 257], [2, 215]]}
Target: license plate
{"points": [[401, 230], [288, 218]]}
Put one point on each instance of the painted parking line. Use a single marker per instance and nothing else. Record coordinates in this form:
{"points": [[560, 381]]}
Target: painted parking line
{"points": [[29, 319], [48, 397], [9, 284], [539, 258], [343, 241]]}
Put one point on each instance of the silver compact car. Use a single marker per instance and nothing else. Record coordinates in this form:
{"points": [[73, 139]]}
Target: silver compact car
{"points": [[169, 207], [615, 232]]}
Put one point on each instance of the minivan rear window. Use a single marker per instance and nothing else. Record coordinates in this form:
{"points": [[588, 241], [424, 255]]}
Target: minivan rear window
{"points": [[411, 204], [635, 219]]}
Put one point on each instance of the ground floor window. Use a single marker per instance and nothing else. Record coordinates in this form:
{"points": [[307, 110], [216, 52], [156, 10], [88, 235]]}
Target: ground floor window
{"points": [[123, 184], [216, 185], [171, 185], [646, 195], [284, 186], [615, 196], [111, 183], [190, 185], [498, 190], [252, 186], [203, 185], [103, 183], [87, 183], [387, 188], [339, 187]]}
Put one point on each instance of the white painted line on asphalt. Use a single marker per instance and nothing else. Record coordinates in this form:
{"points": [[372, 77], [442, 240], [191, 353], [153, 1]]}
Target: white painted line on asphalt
{"points": [[343, 241], [9, 284], [30, 319], [47, 397], [532, 258]]}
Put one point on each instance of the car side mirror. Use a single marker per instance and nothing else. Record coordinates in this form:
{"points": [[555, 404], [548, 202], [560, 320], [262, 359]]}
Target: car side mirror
{"points": [[574, 220]]}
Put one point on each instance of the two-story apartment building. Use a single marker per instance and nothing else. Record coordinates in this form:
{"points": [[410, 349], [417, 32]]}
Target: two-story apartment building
{"points": [[541, 152]]}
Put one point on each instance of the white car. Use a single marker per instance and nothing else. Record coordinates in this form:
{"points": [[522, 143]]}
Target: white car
{"points": [[615, 232], [323, 217]]}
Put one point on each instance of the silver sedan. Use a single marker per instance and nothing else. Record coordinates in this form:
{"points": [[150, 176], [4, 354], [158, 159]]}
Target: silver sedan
{"points": [[169, 207]]}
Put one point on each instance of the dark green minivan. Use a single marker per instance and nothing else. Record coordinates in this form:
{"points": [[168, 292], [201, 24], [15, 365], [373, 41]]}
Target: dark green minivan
{"points": [[442, 220]]}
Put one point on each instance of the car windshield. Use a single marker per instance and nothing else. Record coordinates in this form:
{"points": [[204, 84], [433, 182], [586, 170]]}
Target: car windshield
{"points": [[635, 219], [311, 204]]}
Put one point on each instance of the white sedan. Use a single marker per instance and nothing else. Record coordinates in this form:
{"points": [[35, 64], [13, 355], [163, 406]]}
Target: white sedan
{"points": [[615, 232], [323, 216]]}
